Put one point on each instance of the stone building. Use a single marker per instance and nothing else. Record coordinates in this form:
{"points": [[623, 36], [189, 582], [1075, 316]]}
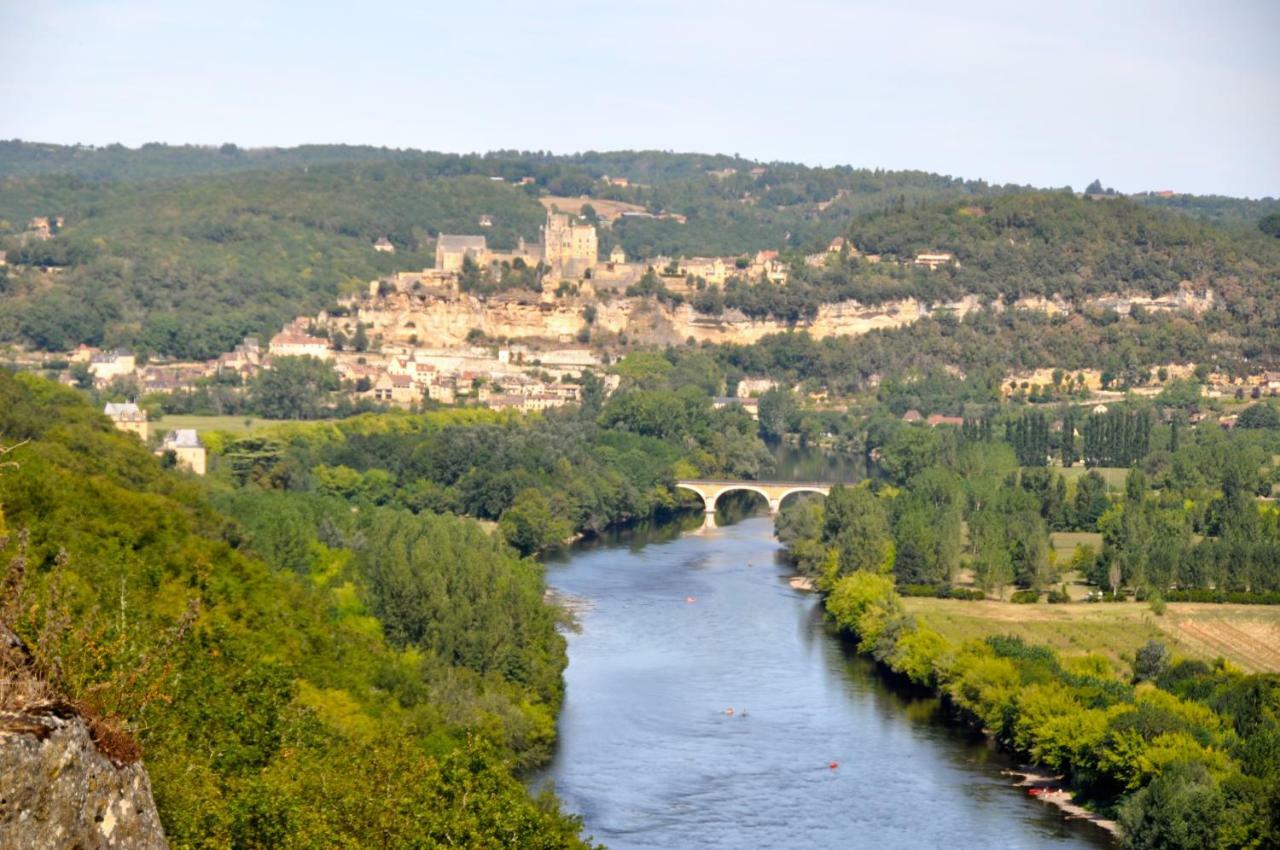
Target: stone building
{"points": [[452, 250], [187, 450], [569, 247], [127, 416]]}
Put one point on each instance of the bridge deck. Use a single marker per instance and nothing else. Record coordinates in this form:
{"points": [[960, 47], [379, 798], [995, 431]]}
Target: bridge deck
{"points": [[744, 483]]}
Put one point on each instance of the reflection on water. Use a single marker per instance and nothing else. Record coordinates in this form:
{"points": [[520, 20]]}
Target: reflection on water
{"points": [[793, 463], [681, 628]]}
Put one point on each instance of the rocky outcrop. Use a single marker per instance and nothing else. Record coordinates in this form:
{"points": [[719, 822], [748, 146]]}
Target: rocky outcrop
{"points": [[58, 791], [447, 318]]}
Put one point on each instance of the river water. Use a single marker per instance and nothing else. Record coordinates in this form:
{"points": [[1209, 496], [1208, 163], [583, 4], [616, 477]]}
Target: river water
{"points": [[675, 631]]}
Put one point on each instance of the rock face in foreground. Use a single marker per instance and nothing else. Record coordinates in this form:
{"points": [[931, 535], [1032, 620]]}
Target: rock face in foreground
{"points": [[57, 791]]}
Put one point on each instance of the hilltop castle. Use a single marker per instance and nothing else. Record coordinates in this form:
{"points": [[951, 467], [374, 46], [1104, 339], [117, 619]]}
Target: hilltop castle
{"points": [[569, 249]]}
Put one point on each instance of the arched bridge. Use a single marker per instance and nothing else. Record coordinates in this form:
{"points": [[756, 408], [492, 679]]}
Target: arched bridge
{"points": [[773, 491]]}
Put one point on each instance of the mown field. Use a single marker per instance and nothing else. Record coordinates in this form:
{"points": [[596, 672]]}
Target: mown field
{"points": [[230, 424], [1246, 635]]}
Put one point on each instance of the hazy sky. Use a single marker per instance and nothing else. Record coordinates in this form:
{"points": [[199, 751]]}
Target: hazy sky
{"points": [[1145, 95]]}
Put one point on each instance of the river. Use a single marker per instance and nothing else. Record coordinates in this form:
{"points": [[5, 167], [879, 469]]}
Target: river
{"points": [[678, 626]]}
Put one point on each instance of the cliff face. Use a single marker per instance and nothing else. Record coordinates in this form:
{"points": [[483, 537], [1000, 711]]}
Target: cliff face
{"points": [[57, 791], [447, 319]]}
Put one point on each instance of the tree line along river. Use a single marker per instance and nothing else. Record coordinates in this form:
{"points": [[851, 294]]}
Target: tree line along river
{"points": [[676, 627]]}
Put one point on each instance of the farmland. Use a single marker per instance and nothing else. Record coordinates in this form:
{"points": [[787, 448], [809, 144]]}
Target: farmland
{"points": [[1246, 635]]}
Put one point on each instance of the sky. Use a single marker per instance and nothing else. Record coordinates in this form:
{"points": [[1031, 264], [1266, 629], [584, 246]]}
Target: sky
{"points": [[1144, 95]]}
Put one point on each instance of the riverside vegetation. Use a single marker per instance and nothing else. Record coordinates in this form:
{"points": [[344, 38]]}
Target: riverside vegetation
{"points": [[319, 622], [257, 686], [1181, 751]]}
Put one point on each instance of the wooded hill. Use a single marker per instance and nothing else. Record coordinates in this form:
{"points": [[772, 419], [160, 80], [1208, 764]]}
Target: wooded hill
{"points": [[291, 684], [183, 250]]}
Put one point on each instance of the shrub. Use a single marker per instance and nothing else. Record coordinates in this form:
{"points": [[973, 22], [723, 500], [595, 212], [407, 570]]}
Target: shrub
{"points": [[1059, 596], [1025, 597]]}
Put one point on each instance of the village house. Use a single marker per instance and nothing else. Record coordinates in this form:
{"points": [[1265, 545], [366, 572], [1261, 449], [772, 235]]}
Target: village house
{"points": [[127, 416], [912, 416], [713, 270], [42, 227], [750, 387], [617, 256], [442, 390], [289, 344], [766, 264], [109, 365], [396, 389], [384, 246], [187, 450], [485, 220], [750, 405], [934, 261]]}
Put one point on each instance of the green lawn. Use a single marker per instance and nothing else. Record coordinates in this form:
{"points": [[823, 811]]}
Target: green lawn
{"points": [[232, 424], [1065, 543]]}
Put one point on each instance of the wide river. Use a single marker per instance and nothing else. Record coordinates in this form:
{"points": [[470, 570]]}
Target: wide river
{"points": [[673, 633]]}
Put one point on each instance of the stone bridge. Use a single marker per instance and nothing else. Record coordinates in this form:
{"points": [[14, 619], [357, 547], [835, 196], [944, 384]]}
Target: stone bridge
{"points": [[773, 491]]}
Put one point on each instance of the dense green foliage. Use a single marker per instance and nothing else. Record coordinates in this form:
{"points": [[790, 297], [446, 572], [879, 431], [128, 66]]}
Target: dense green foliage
{"points": [[188, 267], [343, 671], [1184, 754], [543, 479], [154, 238]]}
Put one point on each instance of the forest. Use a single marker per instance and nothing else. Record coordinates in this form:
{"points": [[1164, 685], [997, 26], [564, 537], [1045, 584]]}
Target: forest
{"points": [[1182, 753], [152, 238], [543, 480], [402, 667]]}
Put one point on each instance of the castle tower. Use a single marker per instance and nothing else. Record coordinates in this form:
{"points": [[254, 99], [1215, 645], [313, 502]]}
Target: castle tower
{"points": [[569, 247]]}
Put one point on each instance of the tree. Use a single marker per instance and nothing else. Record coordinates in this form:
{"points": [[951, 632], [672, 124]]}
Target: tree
{"points": [[777, 409], [856, 523], [1261, 415], [1270, 224], [1181, 809], [361, 339], [531, 526], [81, 374], [293, 388], [1151, 660]]}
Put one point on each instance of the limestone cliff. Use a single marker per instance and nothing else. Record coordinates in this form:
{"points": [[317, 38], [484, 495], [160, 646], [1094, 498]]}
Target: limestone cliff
{"points": [[446, 319], [58, 791]]}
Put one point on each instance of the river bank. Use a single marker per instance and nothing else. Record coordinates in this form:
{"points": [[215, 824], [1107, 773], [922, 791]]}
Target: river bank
{"points": [[1048, 789]]}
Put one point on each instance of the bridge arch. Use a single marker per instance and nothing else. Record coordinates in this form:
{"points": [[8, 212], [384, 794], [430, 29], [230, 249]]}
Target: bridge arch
{"points": [[774, 492], [799, 490]]}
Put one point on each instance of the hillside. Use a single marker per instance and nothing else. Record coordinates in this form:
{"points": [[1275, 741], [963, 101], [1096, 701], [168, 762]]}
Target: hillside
{"points": [[260, 670], [181, 251]]}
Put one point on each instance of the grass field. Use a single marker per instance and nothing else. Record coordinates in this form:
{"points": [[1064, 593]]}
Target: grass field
{"points": [[607, 210], [232, 424], [1065, 543], [1246, 635]]}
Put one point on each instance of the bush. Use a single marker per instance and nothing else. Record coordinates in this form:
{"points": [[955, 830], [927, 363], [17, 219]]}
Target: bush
{"points": [[1239, 597], [1059, 597], [932, 591], [1025, 597]]}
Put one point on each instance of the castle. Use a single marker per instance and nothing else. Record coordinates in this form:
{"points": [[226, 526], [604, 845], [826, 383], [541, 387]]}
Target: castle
{"points": [[568, 246], [569, 249]]}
